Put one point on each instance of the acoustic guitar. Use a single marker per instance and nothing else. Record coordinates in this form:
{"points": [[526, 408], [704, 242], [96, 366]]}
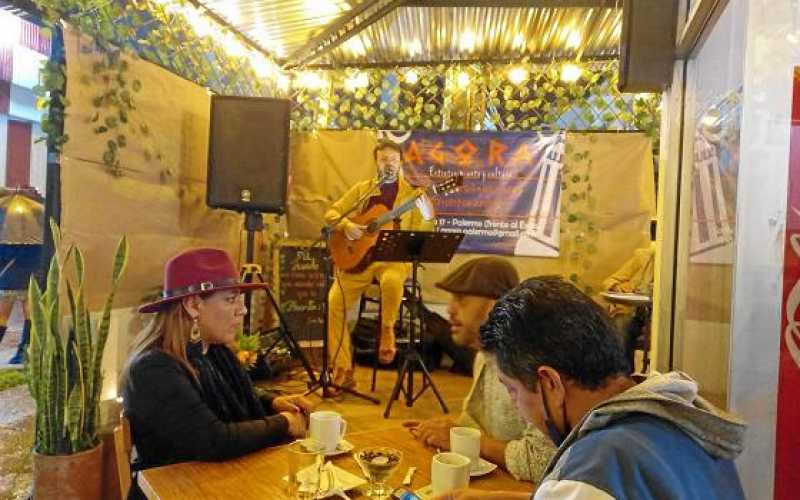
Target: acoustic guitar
{"points": [[353, 255]]}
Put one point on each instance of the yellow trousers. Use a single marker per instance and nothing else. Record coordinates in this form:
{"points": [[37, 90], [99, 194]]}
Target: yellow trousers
{"points": [[346, 292]]}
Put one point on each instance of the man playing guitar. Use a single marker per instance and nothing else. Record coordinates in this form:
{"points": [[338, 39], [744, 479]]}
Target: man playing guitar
{"points": [[390, 189]]}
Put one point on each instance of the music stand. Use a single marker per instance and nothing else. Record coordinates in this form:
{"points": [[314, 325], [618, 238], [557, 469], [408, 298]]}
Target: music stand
{"points": [[415, 247]]}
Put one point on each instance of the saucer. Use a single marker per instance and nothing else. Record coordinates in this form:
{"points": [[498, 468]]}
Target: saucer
{"points": [[343, 447], [425, 492], [484, 467]]}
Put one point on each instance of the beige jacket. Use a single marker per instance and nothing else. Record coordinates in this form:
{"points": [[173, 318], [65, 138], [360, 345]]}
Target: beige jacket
{"points": [[489, 408]]}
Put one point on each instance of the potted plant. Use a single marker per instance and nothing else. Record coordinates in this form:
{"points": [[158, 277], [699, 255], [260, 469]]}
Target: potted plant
{"points": [[65, 377]]}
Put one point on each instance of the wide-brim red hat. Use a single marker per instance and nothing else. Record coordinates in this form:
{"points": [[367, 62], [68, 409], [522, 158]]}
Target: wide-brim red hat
{"points": [[196, 271]]}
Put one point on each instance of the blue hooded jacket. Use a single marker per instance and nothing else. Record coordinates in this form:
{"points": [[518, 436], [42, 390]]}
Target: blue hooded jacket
{"points": [[657, 440]]}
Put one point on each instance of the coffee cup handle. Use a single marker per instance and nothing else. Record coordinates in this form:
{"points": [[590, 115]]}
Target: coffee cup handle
{"points": [[343, 429]]}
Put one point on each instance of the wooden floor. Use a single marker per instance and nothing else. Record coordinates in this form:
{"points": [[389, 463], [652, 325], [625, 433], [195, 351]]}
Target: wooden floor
{"points": [[362, 415]]}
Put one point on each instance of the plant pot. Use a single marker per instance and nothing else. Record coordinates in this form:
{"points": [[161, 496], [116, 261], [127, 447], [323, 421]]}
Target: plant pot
{"points": [[77, 476]]}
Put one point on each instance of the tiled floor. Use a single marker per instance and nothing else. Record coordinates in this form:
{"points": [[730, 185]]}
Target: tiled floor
{"points": [[16, 440]]}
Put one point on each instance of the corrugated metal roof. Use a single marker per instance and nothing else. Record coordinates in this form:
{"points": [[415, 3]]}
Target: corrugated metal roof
{"points": [[417, 33], [279, 26], [426, 34]]}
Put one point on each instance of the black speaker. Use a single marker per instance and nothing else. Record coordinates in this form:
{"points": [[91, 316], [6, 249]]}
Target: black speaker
{"points": [[248, 155], [647, 45]]}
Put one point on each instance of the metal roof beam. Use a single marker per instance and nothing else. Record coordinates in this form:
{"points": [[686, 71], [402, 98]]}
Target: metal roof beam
{"points": [[548, 4], [493, 60], [233, 29], [343, 29]]}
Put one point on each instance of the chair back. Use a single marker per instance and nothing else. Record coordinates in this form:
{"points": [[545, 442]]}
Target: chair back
{"points": [[122, 452]]}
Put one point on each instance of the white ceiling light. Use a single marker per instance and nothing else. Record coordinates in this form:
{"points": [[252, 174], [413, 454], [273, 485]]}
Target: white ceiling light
{"points": [[467, 41], [356, 46], [574, 39], [414, 47]]}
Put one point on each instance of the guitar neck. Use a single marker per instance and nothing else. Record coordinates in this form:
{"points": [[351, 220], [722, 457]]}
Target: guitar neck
{"points": [[396, 211]]}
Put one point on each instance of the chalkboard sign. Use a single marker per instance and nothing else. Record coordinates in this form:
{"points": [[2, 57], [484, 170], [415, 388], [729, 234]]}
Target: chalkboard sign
{"points": [[300, 281]]}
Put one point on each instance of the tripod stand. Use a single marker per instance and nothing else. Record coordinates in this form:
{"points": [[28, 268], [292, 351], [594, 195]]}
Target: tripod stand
{"points": [[324, 382], [415, 247], [250, 272]]}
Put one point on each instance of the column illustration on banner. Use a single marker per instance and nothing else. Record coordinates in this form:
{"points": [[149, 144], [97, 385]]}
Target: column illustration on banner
{"points": [[543, 225], [716, 167], [510, 202]]}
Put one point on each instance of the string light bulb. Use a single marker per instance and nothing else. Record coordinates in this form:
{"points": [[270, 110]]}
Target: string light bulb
{"points": [[282, 81], [517, 75], [463, 80], [411, 77], [570, 73], [357, 81], [311, 80]]}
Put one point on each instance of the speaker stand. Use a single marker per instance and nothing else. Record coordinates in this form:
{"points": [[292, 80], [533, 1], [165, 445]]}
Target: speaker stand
{"points": [[254, 222]]}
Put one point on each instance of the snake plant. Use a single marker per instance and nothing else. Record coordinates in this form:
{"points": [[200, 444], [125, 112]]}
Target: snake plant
{"points": [[64, 367]]}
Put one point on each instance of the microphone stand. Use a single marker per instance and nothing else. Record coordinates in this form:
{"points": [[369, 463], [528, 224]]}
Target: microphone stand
{"points": [[324, 381]]}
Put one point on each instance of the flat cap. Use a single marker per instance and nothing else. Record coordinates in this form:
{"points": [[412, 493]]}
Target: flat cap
{"points": [[485, 277]]}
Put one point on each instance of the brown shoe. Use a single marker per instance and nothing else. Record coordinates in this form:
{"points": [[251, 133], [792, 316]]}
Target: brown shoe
{"points": [[344, 379]]}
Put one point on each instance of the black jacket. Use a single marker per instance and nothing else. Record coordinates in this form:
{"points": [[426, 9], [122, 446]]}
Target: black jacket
{"points": [[175, 418]]}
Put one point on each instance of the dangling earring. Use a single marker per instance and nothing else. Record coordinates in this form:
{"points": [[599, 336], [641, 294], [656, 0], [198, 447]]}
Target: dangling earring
{"points": [[194, 334]]}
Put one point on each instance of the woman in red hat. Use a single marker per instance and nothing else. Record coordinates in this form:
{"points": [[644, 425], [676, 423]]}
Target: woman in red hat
{"points": [[185, 393]]}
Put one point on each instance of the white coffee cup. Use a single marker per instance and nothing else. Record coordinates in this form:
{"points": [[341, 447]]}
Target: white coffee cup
{"points": [[327, 428], [466, 441], [449, 471]]}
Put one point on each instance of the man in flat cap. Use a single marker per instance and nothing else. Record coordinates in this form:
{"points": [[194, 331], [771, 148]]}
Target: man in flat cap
{"points": [[506, 439]]}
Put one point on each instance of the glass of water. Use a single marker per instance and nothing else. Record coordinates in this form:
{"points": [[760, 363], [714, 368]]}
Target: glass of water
{"points": [[308, 475]]}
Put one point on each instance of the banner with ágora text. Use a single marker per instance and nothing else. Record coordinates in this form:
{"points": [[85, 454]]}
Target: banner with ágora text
{"points": [[510, 201]]}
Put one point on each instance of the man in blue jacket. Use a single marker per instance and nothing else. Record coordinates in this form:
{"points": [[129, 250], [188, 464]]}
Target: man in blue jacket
{"points": [[566, 371]]}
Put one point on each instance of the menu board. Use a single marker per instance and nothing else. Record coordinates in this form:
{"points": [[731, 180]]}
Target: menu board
{"points": [[300, 282]]}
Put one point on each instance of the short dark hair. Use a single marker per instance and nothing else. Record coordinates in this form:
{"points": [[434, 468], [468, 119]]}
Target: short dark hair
{"points": [[547, 321], [386, 144]]}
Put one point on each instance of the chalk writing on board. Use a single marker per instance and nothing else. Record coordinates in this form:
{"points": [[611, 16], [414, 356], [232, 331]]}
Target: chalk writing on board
{"points": [[301, 282]]}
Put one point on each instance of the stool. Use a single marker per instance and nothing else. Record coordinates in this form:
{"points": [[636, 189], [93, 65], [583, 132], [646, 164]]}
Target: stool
{"points": [[362, 305], [368, 298]]}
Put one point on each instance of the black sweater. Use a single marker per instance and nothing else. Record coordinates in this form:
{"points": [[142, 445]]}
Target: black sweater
{"points": [[172, 420]]}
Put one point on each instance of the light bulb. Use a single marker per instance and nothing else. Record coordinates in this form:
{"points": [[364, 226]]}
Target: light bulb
{"points": [[570, 73]]}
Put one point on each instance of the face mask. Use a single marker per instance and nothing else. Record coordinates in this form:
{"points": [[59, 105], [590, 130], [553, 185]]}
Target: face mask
{"points": [[555, 435]]}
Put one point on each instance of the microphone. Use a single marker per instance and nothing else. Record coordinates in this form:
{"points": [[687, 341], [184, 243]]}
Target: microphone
{"points": [[386, 178]]}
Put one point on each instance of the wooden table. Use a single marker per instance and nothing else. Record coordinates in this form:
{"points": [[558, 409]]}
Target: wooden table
{"points": [[259, 475]]}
